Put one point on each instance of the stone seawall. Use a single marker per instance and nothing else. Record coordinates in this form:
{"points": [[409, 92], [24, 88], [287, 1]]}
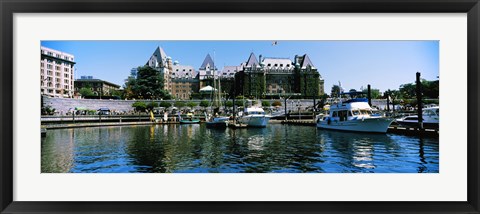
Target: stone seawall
{"points": [[62, 105]]}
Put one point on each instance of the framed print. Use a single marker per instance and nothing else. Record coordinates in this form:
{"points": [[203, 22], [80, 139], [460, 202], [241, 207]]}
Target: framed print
{"points": [[255, 107]]}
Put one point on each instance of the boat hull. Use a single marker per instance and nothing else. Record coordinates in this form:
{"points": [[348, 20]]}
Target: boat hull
{"points": [[373, 125], [255, 121], [216, 124], [414, 124], [189, 121]]}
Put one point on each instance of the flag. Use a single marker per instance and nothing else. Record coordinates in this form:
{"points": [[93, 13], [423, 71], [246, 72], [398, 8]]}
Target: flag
{"points": [[274, 43]]}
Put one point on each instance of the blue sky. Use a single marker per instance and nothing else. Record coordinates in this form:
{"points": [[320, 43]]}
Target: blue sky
{"points": [[382, 64]]}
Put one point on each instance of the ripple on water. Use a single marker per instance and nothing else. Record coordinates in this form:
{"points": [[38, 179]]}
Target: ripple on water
{"points": [[196, 149]]}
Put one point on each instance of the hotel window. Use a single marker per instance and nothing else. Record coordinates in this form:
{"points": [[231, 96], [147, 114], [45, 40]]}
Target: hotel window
{"points": [[49, 61], [57, 68], [49, 72], [66, 69], [42, 65], [57, 74], [66, 81], [49, 66]]}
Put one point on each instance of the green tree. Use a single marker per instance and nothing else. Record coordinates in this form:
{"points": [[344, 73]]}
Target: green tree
{"points": [[116, 93], [374, 92], [335, 92], [149, 83], [430, 89], [408, 90], [86, 92], [130, 84], [265, 103], [139, 106]]}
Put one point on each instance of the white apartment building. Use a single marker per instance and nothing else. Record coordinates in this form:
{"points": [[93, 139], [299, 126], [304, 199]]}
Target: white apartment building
{"points": [[56, 73]]}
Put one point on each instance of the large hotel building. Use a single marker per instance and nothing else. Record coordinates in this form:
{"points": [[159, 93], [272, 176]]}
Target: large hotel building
{"points": [[257, 77], [56, 73]]}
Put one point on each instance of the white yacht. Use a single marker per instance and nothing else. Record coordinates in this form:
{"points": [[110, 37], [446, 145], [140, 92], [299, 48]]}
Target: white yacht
{"points": [[354, 115], [254, 117], [430, 116]]}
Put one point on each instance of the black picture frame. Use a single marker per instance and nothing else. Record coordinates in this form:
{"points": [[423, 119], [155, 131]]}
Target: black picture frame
{"points": [[9, 7]]}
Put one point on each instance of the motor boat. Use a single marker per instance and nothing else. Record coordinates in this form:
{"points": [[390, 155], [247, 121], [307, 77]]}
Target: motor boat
{"points": [[430, 118], [217, 121], [190, 119], [254, 117], [354, 115]]}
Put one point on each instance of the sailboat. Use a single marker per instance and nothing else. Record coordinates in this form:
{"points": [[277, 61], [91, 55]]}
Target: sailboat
{"points": [[215, 120]]}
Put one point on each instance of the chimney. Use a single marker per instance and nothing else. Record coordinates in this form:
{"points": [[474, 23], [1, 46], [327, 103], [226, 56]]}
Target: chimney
{"points": [[260, 59]]}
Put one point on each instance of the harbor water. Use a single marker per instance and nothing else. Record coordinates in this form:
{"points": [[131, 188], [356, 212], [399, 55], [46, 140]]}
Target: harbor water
{"points": [[194, 148]]}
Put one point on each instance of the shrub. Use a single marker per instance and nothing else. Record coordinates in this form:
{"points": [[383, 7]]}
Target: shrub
{"points": [[165, 104], [239, 103], [139, 106], [265, 103], [152, 105], [204, 103], [277, 103], [191, 104], [229, 103], [180, 104]]}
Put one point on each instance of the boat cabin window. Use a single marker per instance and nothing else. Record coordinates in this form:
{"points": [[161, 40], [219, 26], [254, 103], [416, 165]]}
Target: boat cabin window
{"points": [[366, 112], [429, 113], [343, 115], [334, 114], [356, 112], [437, 111], [349, 113]]}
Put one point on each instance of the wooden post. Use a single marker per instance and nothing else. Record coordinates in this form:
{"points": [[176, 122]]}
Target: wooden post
{"points": [[369, 95], [388, 101], [285, 100], [419, 101]]}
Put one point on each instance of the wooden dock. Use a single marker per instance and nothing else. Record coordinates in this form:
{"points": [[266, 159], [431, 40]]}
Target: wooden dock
{"points": [[299, 122]]}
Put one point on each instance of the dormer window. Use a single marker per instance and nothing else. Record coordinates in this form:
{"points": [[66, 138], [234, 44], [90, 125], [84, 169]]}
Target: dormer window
{"points": [[276, 65], [281, 65]]}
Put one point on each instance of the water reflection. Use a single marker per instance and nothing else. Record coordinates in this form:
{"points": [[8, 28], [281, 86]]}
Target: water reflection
{"points": [[194, 148]]}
